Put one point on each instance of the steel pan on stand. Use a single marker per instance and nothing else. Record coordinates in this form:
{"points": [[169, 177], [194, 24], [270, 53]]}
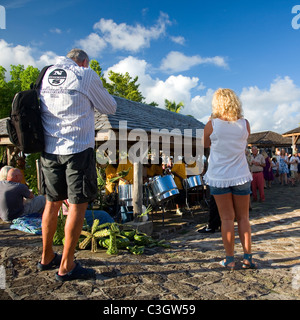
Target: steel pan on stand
{"points": [[125, 192], [192, 185], [160, 190], [163, 187], [193, 182]]}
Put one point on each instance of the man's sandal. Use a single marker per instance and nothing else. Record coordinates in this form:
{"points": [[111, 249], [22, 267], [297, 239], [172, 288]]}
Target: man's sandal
{"points": [[78, 273], [228, 260], [54, 263], [251, 264]]}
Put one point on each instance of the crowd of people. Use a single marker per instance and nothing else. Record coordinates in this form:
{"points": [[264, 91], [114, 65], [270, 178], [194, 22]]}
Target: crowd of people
{"points": [[267, 169]]}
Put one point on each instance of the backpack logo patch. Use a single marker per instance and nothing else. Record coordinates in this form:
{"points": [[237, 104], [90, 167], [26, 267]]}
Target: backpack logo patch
{"points": [[57, 77]]}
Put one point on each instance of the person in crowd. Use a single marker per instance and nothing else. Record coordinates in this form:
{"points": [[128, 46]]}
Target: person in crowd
{"points": [[294, 160], [267, 170], [257, 163], [12, 194], [248, 157], [275, 169], [4, 171], [228, 174], [283, 169], [69, 93], [298, 176]]}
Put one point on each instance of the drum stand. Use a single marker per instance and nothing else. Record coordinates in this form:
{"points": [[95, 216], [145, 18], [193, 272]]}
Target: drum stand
{"points": [[190, 211], [162, 206]]}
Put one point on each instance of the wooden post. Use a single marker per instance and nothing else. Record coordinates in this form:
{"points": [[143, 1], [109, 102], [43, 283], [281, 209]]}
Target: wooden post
{"points": [[137, 188]]}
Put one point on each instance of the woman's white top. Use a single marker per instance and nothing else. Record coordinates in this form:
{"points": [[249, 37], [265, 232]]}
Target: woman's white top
{"points": [[227, 162]]}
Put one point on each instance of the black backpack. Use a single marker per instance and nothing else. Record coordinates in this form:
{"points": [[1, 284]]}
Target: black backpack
{"points": [[24, 126]]}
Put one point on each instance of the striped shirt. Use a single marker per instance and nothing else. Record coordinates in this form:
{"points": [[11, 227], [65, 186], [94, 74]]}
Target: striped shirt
{"points": [[68, 96]]}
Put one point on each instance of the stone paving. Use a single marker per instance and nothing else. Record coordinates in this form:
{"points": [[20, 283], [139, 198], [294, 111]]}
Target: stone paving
{"points": [[189, 270]]}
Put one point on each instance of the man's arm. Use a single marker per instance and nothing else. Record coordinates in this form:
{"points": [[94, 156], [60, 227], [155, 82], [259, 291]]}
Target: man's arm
{"points": [[99, 96]]}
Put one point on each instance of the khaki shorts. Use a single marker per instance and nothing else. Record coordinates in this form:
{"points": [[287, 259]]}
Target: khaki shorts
{"points": [[71, 177], [294, 174]]}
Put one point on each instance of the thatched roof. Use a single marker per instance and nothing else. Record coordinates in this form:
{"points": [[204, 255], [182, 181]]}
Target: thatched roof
{"points": [[138, 116], [269, 139], [295, 131], [3, 131], [146, 117]]}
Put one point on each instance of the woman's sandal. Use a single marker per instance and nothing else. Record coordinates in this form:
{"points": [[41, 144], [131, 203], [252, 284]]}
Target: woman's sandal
{"points": [[251, 264], [228, 260]]}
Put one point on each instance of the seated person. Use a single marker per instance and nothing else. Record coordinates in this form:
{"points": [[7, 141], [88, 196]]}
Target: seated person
{"points": [[4, 171], [12, 194], [151, 170], [125, 166], [110, 172]]}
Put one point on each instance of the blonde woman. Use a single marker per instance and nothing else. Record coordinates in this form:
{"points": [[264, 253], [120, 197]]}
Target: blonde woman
{"points": [[228, 173]]}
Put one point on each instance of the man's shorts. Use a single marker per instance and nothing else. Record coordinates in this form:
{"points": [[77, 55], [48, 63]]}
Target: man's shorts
{"points": [[294, 174], [240, 190], [71, 177]]}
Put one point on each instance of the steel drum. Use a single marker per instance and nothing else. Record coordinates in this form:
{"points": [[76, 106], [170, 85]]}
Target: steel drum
{"points": [[193, 182], [162, 188], [125, 194]]}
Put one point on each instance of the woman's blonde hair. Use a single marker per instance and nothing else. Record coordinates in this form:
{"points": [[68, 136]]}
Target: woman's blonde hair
{"points": [[226, 104]]}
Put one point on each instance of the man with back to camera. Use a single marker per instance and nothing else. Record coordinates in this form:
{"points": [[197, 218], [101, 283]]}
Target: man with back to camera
{"points": [[69, 93]]}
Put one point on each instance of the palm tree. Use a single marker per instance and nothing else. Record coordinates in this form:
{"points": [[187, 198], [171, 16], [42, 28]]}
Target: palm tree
{"points": [[172, 106]]}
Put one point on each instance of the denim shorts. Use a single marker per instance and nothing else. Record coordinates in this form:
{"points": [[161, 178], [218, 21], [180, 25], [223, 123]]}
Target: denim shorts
{"points": [[240, 190]]}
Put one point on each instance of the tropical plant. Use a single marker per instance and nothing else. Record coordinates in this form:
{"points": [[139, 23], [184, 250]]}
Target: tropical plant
{"points": [[172, 106]]}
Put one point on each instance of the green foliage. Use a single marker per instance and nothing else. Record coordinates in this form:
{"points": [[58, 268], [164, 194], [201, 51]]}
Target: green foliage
{"points": [[21, 79], [60, 229], [123, 86], [172, 106], [30, 171]]}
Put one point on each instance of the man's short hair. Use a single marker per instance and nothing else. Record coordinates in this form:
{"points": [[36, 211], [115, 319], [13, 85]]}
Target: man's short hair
{"points": [[78, 55]]}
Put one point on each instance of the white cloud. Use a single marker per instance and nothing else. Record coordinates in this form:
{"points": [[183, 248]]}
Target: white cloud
{"points": [[56, 30], [173, 88], [123, 36], [93, 44], [176, 62], [23, 55], [178, 40], [276, 109], [46, 58]]}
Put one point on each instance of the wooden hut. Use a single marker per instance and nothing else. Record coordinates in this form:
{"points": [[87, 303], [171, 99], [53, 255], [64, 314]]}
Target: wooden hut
{"points": [[269, 140], [136, 117], [294, 134]]}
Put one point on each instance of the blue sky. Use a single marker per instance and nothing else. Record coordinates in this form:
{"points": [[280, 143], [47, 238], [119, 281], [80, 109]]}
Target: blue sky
{"points": [[181, 51]]}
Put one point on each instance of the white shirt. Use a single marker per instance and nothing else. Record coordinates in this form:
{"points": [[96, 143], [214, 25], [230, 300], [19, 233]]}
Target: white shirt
{"points": [[227, 161], [68, 95], [294, 166]]}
